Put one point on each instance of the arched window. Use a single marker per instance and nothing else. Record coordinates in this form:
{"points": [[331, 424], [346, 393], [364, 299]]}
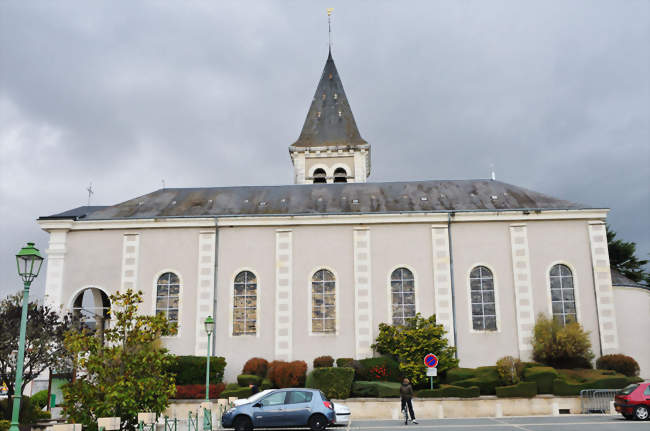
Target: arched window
{"points": [[484, 315], [167, 296], [90, 309], [320, 176], [340, 176], [563, 299], [323, 301], [402, 287], [244, 314]]}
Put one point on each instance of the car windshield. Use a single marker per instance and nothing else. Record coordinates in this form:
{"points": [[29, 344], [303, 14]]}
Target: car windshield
{"points": [[258, 395], [628, 389]]}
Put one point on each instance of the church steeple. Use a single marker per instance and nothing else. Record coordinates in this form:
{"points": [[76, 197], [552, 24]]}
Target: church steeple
{"points": [[330, 147]]}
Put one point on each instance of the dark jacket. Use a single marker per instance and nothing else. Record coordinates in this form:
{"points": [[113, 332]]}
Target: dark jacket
{"points": [[406, 391]]}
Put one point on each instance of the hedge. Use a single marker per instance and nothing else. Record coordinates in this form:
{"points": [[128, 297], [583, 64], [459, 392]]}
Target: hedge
{"points": [[287, 374], [375, 389], [448, 391], [520, 390], [40, 399], [382, 368], [334, 382], [190, 370], [249, 379], [623, 364], [543, 376], [345, 362], [185, 392], [257, 366], [562, 387], [266, 384], [456, 374], [239, 392], [324, 362]]}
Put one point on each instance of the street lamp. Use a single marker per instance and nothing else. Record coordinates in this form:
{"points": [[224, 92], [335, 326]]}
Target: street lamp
{"points": [[29, 262], [209, 328]]}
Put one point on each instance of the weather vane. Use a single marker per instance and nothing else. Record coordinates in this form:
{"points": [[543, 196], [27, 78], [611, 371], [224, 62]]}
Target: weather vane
{"points": [[90, 191], [329, 24]]}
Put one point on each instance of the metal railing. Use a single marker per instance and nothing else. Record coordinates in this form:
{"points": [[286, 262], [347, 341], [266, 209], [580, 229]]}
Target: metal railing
{"points": [[597, 400]]}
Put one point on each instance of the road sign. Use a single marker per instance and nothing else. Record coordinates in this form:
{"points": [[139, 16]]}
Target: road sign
{"points": [[431, 360], [432, 372]]}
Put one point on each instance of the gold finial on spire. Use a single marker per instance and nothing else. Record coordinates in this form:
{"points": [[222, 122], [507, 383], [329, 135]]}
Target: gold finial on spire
{"points": [[329, 24]]}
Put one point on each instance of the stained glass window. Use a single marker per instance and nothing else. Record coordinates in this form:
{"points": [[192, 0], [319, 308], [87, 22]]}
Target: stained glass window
{"points": [[323, 301], [402, 287], [244, 319], [563, 300], [484, 315], [168, 296]]}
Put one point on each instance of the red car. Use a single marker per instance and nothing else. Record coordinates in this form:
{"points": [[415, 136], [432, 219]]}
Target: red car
{"points": [[633, 401]]}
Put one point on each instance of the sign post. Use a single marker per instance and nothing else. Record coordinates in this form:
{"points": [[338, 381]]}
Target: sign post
{"points": [[431, 361]]}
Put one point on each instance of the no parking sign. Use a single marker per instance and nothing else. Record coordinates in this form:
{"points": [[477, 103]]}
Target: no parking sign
{"points": [[431, 360]]}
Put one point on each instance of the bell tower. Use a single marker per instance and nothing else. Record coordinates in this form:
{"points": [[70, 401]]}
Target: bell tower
{"points": [[330, 148]]}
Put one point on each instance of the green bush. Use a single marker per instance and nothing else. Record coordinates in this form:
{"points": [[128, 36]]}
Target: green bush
{"points": [[190, 370], [456, 374], [334, 382], [324, 362], [232, 386], [564, 388], [239, 392], [509, 370], [248, 379], [345, 362], [382, 368], [29, 412], [623, 364], [520, 390], [375, 389], [449, 391], [486, 378], [266, 384], [4, 425], [543, 376], [561, 346], [39, 399]]}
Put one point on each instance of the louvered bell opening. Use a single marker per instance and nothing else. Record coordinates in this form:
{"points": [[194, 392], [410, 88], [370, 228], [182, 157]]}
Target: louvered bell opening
{"points": [[320, 177], [340, 176]]}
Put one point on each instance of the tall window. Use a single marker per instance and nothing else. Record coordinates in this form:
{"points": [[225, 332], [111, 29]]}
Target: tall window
{"points": [[320, 176], [562, 296], [402, 287], [484, 316], [323, 301], [244, 319], [340, 176], [167, 296]]}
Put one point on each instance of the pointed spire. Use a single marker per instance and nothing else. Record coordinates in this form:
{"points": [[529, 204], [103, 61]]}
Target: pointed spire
{"points": [[330, 122]]}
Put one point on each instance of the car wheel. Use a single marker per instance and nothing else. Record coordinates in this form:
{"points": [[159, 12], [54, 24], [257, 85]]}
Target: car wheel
{"points": [[242, 423], [317, 423], [641, 413]]}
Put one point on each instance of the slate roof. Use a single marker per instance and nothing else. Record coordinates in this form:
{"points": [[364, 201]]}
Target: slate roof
{"points": [[619, 279], [330, 122], [313, 199]]}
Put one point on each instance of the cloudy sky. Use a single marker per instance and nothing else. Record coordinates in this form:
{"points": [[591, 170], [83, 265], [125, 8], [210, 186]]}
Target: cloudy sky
{"points": [[125, 95]]}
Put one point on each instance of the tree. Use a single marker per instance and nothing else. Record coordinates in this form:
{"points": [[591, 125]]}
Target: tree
{"points": [[411, 342], [43, 340], [561, 346], [126, 375], [622, 258]]}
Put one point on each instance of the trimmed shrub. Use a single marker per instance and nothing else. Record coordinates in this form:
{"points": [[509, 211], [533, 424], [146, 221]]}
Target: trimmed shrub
{"points": [[345, 362], [238, 392], [248, 379], [375, 389], [520, 390], [564, 388], [232, 386], [334, 382], [543, 376], [324, 362], [449, 391], [190, 370], [39, 399], [256, 366], [623, 364], [266, 384], [486, 378], [561, 346], [382, 368], [186, 392], [287, 374], [456, 374], [509, 370]]}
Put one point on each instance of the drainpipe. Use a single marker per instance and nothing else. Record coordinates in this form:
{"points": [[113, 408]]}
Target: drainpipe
{"points": [[214, 290], [451, 276]]}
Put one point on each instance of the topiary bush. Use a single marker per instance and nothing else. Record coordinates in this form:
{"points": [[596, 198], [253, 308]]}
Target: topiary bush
{"points": [[39, 399], [509, 370], [190, 370], [334, 382], [375, 389], [450, 391], [563, 388], [519, 390], [287, 374], [193, 392], [543, 376], [248, 379], [382, 368], [456, 374], [345, 362], [620, 363], [257, 366], [561, 346], [266, 384], [238, 391], [323, 361], [486, 378]]}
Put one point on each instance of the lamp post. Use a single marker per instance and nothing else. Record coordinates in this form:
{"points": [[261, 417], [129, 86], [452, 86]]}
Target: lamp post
{"points": [[209, 328], [29, 262]]}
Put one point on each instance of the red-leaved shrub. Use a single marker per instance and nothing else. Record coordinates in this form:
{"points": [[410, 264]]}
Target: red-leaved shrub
{"points": [[620, 363], [287, 374], [184, 392], [323, 362], [256, 366]]}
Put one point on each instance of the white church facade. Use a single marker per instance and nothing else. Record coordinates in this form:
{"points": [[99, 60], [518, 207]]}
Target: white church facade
{"points": [[310, 269]]}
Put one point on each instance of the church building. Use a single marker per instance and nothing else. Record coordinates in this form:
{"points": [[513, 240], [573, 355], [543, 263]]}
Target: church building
{"points": [[298, 271]]}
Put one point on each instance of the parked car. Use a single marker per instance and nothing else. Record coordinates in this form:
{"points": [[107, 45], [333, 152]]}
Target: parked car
{"points": [[252, 398], [633, 401], [292, 407], [342, 414]]}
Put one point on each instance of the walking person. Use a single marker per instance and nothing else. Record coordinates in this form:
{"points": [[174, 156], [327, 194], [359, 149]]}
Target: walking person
{"points": [[406, 395]]}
